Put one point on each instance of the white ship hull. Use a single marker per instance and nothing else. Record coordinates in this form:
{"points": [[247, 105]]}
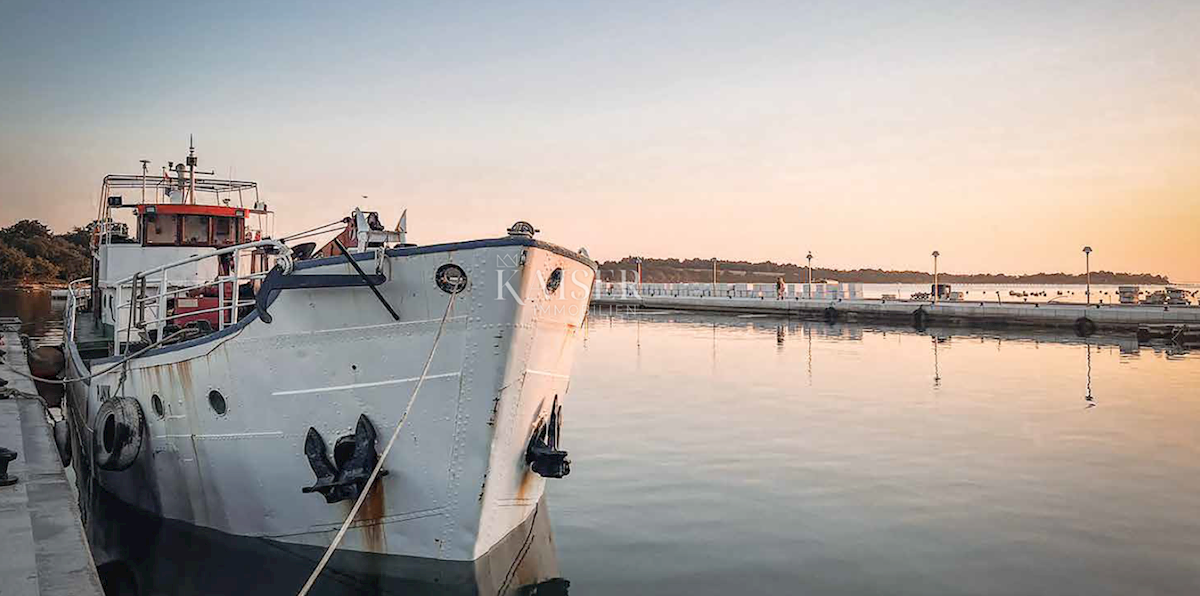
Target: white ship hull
{"points": [[457, 479]]}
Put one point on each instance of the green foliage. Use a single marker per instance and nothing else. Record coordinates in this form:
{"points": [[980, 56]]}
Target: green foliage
{"points": [[29, 251], [79, 237], [13, 263], [26, 228]]}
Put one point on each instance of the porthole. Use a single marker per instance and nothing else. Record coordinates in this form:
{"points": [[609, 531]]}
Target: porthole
{"points": [[157, 405], [555, 281], [451, 278], [217, 402]]}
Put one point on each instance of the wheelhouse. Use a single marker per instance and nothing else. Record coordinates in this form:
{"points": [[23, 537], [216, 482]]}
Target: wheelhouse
{"points": [[206, 240], [191, 225]]}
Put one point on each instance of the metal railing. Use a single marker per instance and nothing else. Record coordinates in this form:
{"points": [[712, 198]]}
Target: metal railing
{"points": [[146, 311], [69, 314]]}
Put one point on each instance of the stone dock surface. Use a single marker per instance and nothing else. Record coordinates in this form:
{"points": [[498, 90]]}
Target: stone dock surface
{"points": [[42, 546], [1108, 316]]}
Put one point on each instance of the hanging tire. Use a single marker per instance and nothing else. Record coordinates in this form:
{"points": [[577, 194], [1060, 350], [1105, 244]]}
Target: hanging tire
{"points": [[1084, 327], [831, 315], [117, 438]]}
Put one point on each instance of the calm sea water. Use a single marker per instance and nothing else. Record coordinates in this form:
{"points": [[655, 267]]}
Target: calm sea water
{"points": [[725, 455], [717, 454]]}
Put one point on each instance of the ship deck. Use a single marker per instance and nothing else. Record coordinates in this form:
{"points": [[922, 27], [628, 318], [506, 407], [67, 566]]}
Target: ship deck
{"points": [[90, 338]]}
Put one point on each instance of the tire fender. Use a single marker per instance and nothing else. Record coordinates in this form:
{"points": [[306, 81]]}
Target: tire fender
{"points": [[118, 434]]}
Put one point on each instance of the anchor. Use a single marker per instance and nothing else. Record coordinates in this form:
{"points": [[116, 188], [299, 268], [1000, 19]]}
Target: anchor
{"points": [[354, 456], [546, 459]]}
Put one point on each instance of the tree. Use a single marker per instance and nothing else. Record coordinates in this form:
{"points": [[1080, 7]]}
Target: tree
{"points": [[32, 252], [13, 263], [79, 237], [26, 228]]}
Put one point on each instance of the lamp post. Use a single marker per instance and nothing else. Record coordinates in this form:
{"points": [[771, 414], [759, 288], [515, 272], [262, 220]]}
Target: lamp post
{"points": [[809, 267], [638, 260], [1087, 264], [714, 284], [936, 254]]}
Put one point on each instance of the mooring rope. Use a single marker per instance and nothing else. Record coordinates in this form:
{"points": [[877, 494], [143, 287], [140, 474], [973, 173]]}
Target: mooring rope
{"points": [[382, 457], [120, 362]]}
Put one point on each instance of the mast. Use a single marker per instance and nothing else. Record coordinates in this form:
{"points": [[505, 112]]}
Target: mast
{"points": [[191, 162], [145, 162]]}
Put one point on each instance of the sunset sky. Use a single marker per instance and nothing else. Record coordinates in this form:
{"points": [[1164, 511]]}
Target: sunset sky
{"points": [[1006, 135]]}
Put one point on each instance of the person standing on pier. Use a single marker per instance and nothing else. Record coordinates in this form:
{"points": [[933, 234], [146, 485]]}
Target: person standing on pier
{"points": [[779, 288]]}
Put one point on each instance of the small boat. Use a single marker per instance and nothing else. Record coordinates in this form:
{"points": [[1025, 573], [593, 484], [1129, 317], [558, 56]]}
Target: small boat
{"points": [[231, 379]]}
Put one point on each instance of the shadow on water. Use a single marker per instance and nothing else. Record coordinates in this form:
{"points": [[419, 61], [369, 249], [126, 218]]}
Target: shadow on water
{"points": [[141, 555]]}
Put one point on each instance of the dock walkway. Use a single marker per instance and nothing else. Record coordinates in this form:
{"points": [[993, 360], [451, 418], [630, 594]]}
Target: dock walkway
{"points": [[984, 313], [43, 551]]}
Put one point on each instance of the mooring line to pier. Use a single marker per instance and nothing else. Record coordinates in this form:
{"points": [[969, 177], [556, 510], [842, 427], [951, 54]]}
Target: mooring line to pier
{"points": [[122, 362], [382, 457]]}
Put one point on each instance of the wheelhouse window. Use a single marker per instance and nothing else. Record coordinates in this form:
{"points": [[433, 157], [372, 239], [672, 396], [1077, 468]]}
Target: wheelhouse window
{"points": [[160, 228], [227, 231], [196, 230]]}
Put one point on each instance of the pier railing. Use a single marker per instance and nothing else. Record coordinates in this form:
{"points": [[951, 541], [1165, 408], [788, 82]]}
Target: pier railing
{"points": [[146, 309]]}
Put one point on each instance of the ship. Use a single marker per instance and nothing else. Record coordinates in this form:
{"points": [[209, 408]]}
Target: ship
{"points": [[225, 377]]}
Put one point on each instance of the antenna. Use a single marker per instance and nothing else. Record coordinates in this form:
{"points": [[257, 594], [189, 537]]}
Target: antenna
{"points": [[145, 162], [191, 163]]}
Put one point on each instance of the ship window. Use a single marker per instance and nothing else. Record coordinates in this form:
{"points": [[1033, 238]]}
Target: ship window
{"points": [[195, 230], [160, 228], [226, 231]]}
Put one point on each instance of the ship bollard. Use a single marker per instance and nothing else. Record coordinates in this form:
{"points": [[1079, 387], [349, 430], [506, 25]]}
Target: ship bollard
{"points": [[6, 457]]}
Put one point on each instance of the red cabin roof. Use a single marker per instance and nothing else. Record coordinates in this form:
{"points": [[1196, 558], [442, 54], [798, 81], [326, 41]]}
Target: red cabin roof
{"points": [[177, 209]]}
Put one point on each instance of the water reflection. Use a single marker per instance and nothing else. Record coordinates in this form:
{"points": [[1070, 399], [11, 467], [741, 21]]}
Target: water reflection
{"points": [[1091, 403], [833, 466], [808, 334], [41, 316], [138, 554], [937, 373]]}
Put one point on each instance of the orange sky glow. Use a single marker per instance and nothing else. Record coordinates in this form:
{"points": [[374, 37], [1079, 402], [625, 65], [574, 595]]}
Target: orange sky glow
{"points": [[1006, 137]]}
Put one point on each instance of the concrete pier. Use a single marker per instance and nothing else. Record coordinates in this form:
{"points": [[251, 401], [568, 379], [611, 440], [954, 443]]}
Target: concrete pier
{"points": [[923, 313], [42, 546]]}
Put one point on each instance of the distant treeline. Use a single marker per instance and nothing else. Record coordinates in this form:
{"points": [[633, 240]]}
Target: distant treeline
{"points": [[700, 270], [31, 253]]}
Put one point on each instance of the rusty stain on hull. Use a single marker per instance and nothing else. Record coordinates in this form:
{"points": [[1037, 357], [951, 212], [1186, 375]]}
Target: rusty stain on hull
{"points": [[526, 485], [369, 519]]}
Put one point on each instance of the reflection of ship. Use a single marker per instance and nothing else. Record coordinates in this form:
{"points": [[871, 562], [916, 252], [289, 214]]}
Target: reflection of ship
{"points": [[141, 554]]}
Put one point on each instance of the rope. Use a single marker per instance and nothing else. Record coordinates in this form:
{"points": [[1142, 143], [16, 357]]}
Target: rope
{"points": [[123, 361], [315, 231], [382, 457]]}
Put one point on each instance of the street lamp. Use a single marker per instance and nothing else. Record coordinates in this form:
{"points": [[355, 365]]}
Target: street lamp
{"points": [[936, 254], [1087, 263], [638, 260], [714, 285], [810, 267]]}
